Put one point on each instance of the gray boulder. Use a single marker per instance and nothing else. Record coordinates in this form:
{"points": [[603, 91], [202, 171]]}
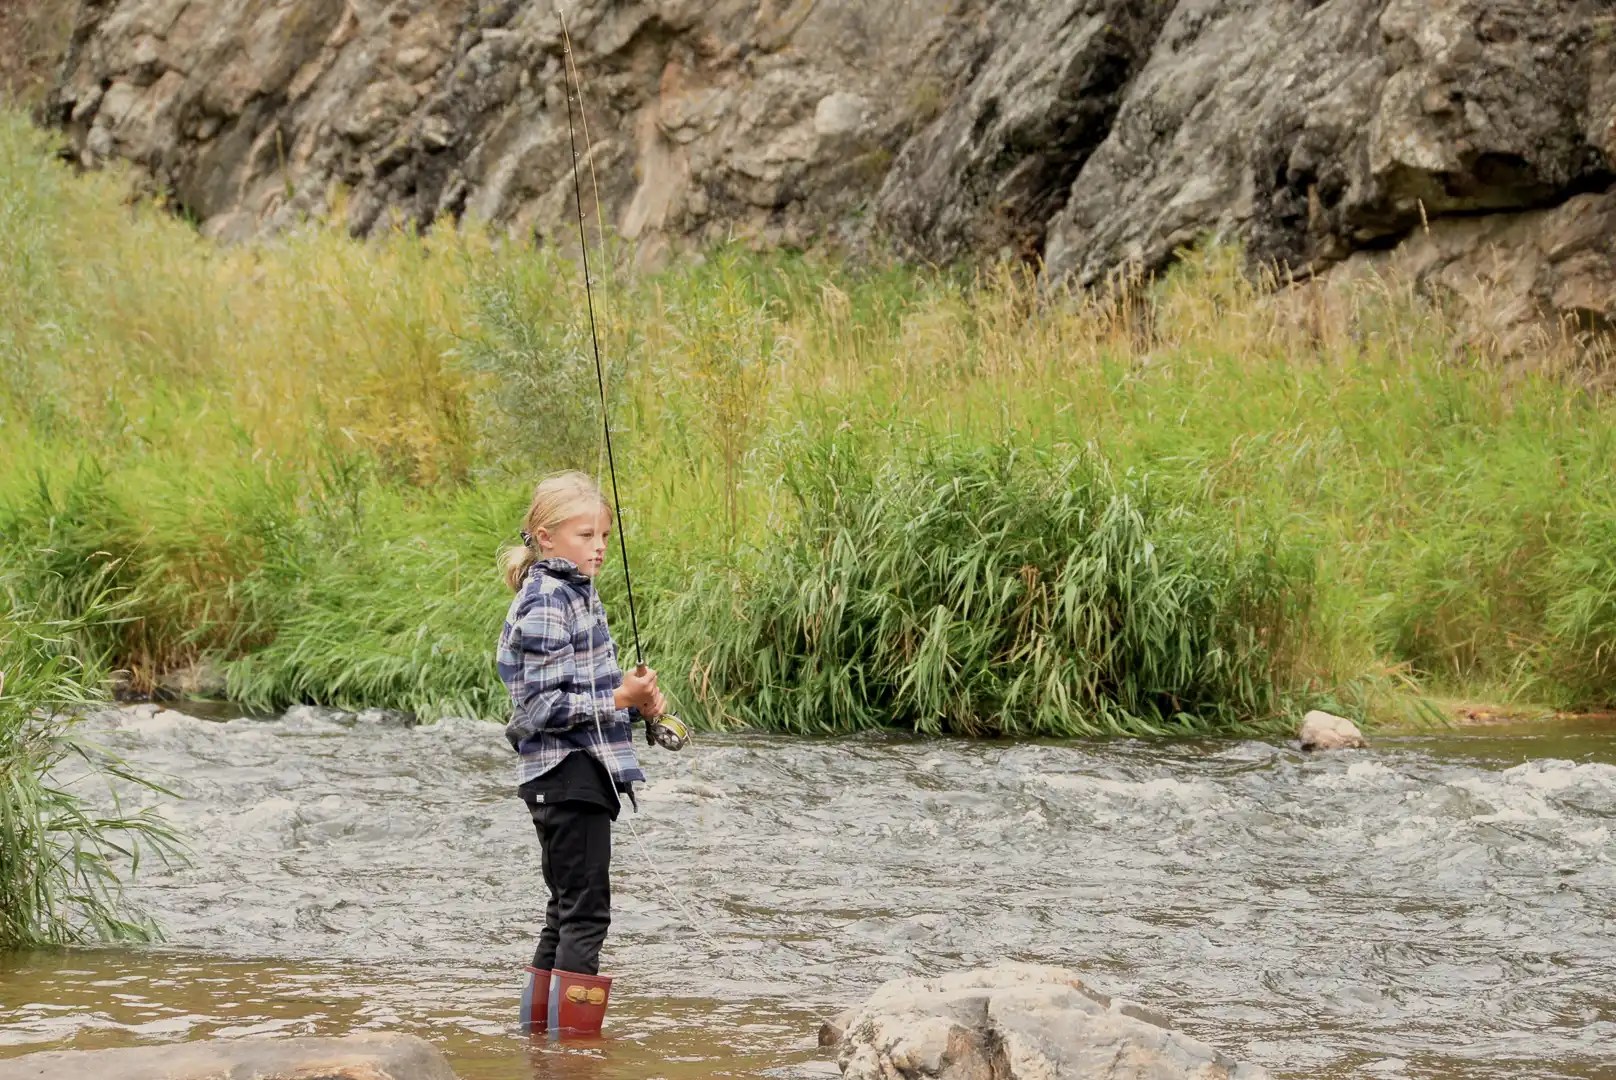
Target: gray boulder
{"points": [[991, 170], [366, 1056], [1015, 1022], [1313, 130]]}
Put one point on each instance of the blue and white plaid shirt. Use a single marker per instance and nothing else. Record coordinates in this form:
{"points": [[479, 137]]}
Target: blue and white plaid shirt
{"points": [[557, 658]]}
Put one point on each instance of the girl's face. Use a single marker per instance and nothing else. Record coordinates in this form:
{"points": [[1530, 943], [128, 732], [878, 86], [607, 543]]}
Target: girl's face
{"points": [[580, 540]]}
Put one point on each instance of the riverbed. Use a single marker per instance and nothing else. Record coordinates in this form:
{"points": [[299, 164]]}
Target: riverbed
{"points": [[1441, 905]]}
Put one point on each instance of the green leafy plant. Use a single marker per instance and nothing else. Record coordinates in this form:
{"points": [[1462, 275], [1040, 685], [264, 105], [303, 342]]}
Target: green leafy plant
{"points": [[63, 856]]}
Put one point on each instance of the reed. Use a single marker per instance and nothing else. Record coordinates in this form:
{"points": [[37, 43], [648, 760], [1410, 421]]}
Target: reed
{"points": [[64, 854], [995, 592]]}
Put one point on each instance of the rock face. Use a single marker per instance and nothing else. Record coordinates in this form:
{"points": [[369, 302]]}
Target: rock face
{"points": [[1326, 731], [356, 1057], [1093, 134], [764, 117], [1015, 1021], [1315, 129], [1508, 270]]}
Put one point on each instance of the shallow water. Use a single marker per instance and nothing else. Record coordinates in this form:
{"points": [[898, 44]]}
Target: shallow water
{"points": [[1439, 906]]}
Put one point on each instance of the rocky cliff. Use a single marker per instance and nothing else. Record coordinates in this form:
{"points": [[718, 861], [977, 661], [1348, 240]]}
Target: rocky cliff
{"points": [[1466, 139]]}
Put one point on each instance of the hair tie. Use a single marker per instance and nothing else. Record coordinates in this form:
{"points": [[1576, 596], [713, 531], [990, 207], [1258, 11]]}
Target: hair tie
{"points": [[527, 538]]}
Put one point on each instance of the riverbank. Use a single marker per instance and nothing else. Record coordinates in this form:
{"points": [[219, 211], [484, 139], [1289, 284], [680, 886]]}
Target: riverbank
{"points": [[855, 497]]}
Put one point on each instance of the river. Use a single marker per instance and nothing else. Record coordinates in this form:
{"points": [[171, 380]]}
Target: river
{"points": [[1442, 905]]}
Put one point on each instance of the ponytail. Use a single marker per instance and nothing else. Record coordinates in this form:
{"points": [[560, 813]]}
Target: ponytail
{"points": [[513, 563]]}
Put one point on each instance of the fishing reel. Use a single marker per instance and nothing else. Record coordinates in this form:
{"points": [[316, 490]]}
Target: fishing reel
{"points": [[667, 731]]}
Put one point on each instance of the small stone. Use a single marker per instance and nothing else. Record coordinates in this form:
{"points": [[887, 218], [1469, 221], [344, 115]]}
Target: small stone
{"points": [[1326, 731], [436, 132], [417, 61], [98, 146], [834, 1030]]}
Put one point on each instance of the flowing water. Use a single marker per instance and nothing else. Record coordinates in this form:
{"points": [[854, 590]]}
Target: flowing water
{"points": [[1439, 906]]}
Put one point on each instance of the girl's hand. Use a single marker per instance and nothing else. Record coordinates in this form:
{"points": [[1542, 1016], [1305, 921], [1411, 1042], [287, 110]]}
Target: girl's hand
{"points": [[658, 706], [639, 690]]}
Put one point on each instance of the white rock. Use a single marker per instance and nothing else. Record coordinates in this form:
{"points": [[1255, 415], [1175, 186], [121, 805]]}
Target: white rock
{"points": [[1019, 1022], [1326, 731]]}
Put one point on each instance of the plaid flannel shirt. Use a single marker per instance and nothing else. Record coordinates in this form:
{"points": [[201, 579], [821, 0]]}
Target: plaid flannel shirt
{"points": [[557, 658]]}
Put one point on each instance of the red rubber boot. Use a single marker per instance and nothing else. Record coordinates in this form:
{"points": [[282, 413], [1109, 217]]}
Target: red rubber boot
{"points": [[577, 1002], [536, 1000]]}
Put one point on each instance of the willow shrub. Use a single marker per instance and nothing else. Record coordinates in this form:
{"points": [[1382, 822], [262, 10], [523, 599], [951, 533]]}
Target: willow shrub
{"points": [[62, 857], [993, 592]]}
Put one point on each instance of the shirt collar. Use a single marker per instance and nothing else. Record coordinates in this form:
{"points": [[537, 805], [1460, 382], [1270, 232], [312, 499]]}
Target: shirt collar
{"points": [[565, 569]]}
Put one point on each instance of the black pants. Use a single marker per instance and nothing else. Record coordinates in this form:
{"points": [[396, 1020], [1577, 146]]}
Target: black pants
{"points": [[576, 839]]}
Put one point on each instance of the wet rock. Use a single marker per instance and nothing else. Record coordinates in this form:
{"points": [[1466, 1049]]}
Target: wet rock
{"points": [[202, 679], [1326, 731], [122, 686], [834, 1030], [317, 716], [140, 712], [1017, 1021], [354, 1057]]}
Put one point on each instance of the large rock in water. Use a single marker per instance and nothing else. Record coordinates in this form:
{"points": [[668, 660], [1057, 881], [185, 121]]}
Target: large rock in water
{"points": [[1326, 731], [369, 1056], [1093, 133], [1017, 1022]]}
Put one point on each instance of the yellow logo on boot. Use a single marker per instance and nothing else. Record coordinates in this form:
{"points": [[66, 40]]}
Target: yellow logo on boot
{"points": [[594, 995]]}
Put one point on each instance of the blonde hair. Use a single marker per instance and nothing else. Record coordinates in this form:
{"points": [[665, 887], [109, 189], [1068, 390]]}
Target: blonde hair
{"points": [[558, 498]]}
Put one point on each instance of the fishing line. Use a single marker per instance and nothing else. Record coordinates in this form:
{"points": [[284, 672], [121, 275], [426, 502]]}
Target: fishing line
{"points": [[569, 63], [594, 336], [573, 81]]}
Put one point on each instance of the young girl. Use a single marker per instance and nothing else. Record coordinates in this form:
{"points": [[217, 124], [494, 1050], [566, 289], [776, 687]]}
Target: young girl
{"points": [[571, 724]]}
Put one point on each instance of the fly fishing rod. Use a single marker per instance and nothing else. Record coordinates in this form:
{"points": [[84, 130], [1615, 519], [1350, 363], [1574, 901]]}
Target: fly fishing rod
{"points": [[667, 731]]}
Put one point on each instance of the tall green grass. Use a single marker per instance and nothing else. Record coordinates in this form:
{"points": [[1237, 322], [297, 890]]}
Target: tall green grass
{"points": [[63, 854], [995, 592], [300, 456]]}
